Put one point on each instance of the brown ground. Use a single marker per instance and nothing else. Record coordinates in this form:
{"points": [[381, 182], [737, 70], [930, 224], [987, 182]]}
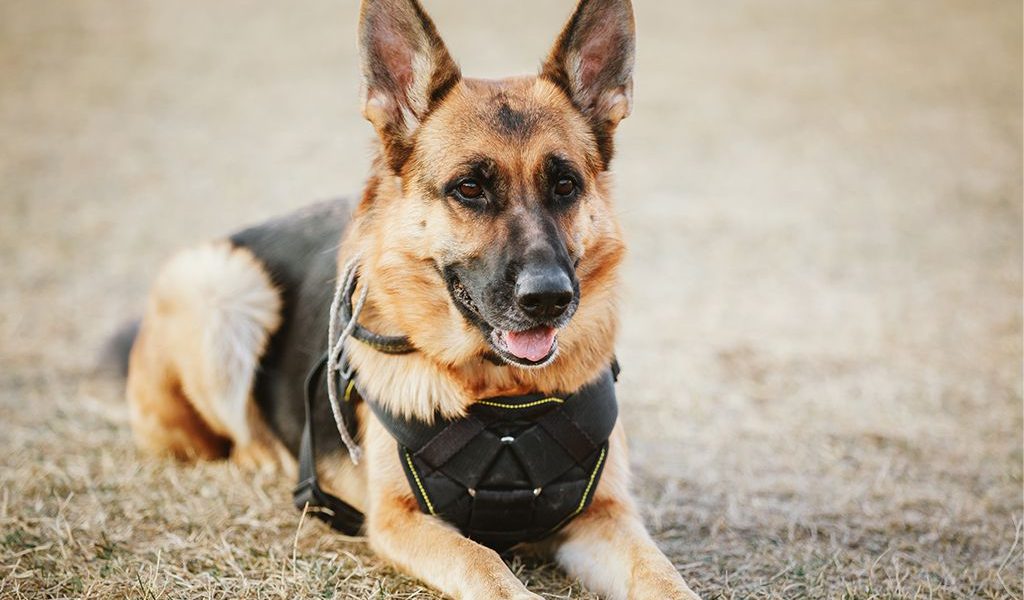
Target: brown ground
{"points": [[822, 342]]}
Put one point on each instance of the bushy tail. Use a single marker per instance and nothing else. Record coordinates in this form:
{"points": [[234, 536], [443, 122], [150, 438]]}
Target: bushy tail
{"points": [[114, 357]]}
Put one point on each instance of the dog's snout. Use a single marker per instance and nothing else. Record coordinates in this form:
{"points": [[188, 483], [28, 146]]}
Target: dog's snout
{"points": [[544, 294]]}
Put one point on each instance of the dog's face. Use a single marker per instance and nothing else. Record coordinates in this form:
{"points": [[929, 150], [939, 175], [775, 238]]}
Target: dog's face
{"points": [[504, 181], [510, 167]]}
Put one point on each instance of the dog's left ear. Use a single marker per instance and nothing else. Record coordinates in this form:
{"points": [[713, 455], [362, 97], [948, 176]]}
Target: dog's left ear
{"points": [[406, 70], [593, 60]]}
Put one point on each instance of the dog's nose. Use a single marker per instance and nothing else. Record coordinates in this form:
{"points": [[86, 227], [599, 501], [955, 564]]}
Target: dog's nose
{"points": [[544, 294]]}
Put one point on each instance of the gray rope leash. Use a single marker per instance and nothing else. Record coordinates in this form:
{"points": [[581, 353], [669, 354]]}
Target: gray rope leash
{"points": [[336, 349]]}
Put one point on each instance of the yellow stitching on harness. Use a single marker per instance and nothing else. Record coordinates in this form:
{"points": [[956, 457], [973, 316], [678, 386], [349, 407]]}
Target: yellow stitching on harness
{"points": [[419, 484], [348, 389], [586, 492], [527, 405]]}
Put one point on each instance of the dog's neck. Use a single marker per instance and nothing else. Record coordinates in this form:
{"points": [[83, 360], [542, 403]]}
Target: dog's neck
{"points": [[450, 369]]}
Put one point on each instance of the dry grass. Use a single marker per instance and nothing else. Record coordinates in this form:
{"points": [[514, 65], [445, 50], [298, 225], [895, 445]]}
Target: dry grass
{"points": [[822, 310]]}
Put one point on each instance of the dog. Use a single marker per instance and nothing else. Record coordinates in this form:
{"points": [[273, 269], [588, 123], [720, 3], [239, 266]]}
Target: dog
{"points": [[477, 272]]}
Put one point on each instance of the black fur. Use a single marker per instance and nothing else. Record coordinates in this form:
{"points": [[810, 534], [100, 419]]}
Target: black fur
{"points": [[514, 122], [299, 251], [118, 348]]}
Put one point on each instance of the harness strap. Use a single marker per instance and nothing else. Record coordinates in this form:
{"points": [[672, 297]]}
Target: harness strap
{"points": [[568, 434], [453, 438], [584, 422], [308, 495]]}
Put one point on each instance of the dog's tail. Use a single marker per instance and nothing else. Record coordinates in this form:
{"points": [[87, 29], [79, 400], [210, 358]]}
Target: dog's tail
{"points": [[115, 353]]}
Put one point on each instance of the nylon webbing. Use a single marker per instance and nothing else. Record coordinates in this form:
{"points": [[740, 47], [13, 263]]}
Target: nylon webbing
{"points": [[451, 439], [568, 435], [308, 495], [388, 344]]}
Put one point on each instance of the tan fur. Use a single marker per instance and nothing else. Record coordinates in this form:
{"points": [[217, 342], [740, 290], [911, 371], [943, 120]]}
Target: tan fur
{"points": [[398, 252], [209, 316], [608, 547], [342, 478], [213, 309]]}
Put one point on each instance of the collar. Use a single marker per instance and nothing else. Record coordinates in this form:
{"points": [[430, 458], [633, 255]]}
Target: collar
{"points": [[388, 344]]}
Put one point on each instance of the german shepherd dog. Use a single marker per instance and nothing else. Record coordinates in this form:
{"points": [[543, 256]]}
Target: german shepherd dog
{"points": [[485, 235]]}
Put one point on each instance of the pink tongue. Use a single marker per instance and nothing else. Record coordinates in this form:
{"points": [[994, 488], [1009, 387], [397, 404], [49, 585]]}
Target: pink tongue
{"points": [[532, 344]]}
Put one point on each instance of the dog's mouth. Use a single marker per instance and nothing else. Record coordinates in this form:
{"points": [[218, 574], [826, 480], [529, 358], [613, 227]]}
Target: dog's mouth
{"points": [[532, 347]]}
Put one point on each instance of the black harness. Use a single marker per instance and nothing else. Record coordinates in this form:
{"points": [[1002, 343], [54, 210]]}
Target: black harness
{"points": [[308, 495], [515, 469]]}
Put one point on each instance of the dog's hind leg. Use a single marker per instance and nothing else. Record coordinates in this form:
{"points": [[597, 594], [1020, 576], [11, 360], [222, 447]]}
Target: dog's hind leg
{"points": [[210, 315]]}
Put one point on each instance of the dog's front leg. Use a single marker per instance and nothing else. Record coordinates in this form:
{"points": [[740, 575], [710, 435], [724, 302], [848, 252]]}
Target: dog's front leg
{"points": [[424, 546], [607, 547]]}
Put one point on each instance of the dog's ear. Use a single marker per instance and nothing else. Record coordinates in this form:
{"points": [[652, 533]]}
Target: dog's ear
{"points": [[593, 60], [406, 70]]}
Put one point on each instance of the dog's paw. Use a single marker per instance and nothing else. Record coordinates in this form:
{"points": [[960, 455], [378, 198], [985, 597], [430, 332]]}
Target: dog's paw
{"points": [[669, 588], [679, 594]]}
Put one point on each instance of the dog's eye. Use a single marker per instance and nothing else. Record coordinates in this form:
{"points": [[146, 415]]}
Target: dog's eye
{"points": [[470, 189], [564, 187]]}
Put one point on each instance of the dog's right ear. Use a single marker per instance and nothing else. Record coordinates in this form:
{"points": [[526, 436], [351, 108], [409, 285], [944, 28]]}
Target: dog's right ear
{"points": [[592, 61], [406, 71]]}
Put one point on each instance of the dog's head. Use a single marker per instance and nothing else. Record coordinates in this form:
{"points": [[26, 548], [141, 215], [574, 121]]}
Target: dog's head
{"points": [[498, 188]]}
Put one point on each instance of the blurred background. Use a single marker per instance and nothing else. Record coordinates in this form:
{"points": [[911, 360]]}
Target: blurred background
{"points": [[821, 305]]}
